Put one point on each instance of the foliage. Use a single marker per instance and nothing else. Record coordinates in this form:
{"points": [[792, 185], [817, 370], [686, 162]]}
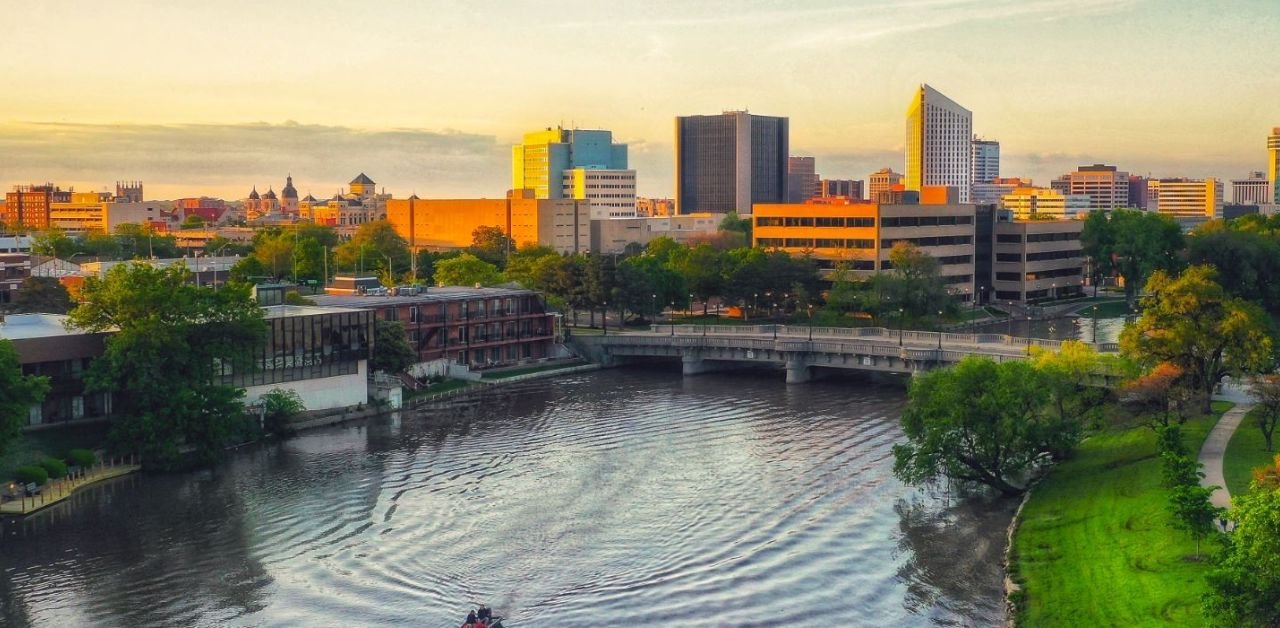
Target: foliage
{"points": [[32, 474], [279, 406], [220, 246], [194, 221], [1193, 512], [142, 241], [53, 243], [1266, 391], [392, 351], [1176, 467], [914, 286], [247, 271], [1191, 323], [732, 223], [294, 298], [1132, 244], [702, 268], [175, 343], [45, 295], [491, 244], [82, 458], [55, 467], [1070, 371], [1247, 261], [373, 245], [98, 244], [17, 393], [1245, 589], [1161, 394], [466, 270], [981, 422]]}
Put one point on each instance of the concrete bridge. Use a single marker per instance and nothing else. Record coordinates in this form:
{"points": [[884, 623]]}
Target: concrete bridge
{"points": [[802, 349]]}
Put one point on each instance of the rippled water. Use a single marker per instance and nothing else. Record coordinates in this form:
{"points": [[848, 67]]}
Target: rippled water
{"points": [[633, 497]]}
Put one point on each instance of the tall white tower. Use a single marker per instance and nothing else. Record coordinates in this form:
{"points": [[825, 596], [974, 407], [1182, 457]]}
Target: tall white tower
{"points": [[939, 143]]}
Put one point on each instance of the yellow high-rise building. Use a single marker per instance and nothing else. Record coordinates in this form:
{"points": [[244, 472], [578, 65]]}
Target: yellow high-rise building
{"points": [[939, 143], [1273, 164]]}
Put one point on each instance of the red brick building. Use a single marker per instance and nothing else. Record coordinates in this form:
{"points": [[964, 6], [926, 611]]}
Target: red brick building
{"points": [[478, 327], [29, 205]]}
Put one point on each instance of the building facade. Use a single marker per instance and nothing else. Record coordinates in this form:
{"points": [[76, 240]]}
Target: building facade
{"points": [[1037, 259], [882, 180], [730, 162], [939, 143], [1185, 198], [476, 327], [991, 192], [851, 189], [28, 205], [14, 269], [87, 212], [1032, 203], [612, 193], [655, 207], [1254, 190], [582, 164], [442, 224], [613, 236], [986, 161], [362, 203], [1273, 164], [1106, 186], [802, 179]]}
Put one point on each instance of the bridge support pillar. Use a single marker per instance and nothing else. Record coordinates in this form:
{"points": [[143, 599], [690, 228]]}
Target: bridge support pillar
{"points": [[695, 365], [798, 372]]}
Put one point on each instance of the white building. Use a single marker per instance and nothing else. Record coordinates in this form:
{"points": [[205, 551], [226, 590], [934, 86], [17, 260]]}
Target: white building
{"points": [[986, 161], [612, 192], [939, 143], [1255, 190]]}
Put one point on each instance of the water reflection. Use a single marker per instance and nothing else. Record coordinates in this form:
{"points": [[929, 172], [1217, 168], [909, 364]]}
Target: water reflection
{"points": [[632, 496]]}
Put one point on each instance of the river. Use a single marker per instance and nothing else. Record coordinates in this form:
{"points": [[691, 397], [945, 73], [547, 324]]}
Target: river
{"points": [[631, 497]]}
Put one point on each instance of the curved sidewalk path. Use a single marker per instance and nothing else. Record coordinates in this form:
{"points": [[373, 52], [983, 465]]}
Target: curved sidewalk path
{"points": [[1213, 449]]}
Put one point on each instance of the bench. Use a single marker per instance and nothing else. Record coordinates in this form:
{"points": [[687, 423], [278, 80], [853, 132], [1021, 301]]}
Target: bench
{"points": [[32, 489]]}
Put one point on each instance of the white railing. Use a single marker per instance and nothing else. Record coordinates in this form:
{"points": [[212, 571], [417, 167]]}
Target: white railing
{"points": [[902, 336]]}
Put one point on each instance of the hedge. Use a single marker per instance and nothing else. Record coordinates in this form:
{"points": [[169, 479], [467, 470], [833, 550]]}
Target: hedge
{"points": [[82, 458], [55, 467], [32, 474]]}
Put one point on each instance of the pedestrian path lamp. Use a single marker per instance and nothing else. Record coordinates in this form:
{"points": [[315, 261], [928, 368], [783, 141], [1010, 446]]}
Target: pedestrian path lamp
{"points": [[671, 318], [900, 324], [810, 322], [604, 317], [939, 330]]}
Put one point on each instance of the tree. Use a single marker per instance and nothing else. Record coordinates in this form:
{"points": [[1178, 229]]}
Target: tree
{"points": [[1133, 244], [53, 243], [914, 284], [142, 241], [1190, 322], [392, 352], [372, 245], [45, 295], [1246, 261], [981, 422], [491, 244], [194, 221], [1162, 394], [279, 406], [98, 244], [247, 271], [466, 270], [166, 363], [1193, 511], [1245, 589], [701, 268], [1266, 390], [274, 250], [732, 223], [1097, 241], [17, 393]]}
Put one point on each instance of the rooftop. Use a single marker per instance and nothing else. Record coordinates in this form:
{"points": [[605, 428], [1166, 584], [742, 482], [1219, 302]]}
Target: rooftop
{"points": [[448, 293], [26, 326], [292, 311]]}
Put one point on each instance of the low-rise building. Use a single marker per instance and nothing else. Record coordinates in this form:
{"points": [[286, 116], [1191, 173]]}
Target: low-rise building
{"points": [[475, 327], [1037, 259], [14, 268], [613, 236], [95, 212], [848, 188], [1032, 203], [1185, 198], [563, 224]]}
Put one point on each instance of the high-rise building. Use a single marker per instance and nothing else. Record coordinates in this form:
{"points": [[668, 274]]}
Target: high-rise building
{"points": [[882, 180], [1254, 190], [846, 188], [1273, 163], [939, 143], [802, 179], [986, 161], [1137, 191], [731, 161], [1185, 198], [583, 164], [1106, 186]]}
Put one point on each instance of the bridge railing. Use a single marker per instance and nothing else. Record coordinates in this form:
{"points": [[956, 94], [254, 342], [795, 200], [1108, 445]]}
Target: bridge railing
{"points": [[913, 336]]}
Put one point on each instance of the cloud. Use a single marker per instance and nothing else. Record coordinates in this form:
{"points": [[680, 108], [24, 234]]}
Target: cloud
{"points": [[227, 159]]}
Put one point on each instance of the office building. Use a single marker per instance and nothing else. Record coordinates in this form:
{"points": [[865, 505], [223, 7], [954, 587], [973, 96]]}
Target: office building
{"points": [[1037, 259], [730, 162], [846, 188], [939, 143], [991, 192], [861, 234], [1273, 164], [86, 212], [986, 161], [583, 164], [28, 205], [441, 224], [882, 180], [1137, 191], [1185, 198], [802, 179], [14, 269], [1254, 190], [1032, 203], [1106, 186], [613, 236]]}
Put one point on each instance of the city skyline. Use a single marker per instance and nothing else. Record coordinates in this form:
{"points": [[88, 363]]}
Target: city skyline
{"points": [[389, 96]]}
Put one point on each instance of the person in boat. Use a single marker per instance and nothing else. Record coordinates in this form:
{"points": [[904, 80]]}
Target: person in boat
{"points": [[484, 614], [470, 621]]}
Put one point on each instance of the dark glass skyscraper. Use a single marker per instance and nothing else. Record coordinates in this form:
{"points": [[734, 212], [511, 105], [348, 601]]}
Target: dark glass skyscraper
{"points": [[729, 161]]}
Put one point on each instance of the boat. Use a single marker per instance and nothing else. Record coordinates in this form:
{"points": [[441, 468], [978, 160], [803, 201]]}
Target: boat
{"points": [[495, 621]]}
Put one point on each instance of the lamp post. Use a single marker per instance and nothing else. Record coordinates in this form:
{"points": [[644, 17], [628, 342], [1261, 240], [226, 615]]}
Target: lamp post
{"points": [[939, 330], [775, 324], [604, 318], [1010, 318], [900, 315], [1095, 324], [654, 305], [671, 318], [689, 312], [755, 302], [810, 322]]}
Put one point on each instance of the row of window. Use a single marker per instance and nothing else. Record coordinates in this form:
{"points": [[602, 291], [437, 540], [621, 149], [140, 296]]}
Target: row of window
{"points": [[924, 242], [1039, 257]]}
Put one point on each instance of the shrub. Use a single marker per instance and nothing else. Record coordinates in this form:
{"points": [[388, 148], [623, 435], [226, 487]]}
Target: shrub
{"points": [[55, 467], [82, 458], [32, 474]]}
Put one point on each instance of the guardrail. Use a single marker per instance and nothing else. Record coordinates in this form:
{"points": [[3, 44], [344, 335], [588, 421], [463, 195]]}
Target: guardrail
{"points": [[916, 337]]}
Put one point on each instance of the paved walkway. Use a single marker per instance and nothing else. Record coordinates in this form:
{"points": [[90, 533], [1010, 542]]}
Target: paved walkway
{"points": [[58, 490], [1213, 449]]}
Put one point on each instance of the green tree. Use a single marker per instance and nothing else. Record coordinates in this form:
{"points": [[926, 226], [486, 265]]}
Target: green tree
{"points": [[981, 422], [17, 393], [174, 342], [1097, 241], [1246, 261], [53, 243], [1193, 511], [1190, 322], [1245, 588], [392, 352], [370, 248], [98, 244], [491, 244], [1133, 244], [142, 241], [278, 408], [44, 295], [702, 269], [1266, 390], [247, 271], [274, 250], [914, 284], [731, 222], [194, 221], [466, 270]]}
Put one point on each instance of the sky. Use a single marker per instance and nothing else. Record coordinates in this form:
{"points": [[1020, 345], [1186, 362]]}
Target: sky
{"points": [[427, 97]]}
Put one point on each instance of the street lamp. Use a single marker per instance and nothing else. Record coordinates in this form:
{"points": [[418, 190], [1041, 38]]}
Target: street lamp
{"points": [[654, 303], [604, 318], [810, 322], [671, 318], [1095, 324], [755, 303], [900, 315], [775, 323], [939, 330], [689, 312]]}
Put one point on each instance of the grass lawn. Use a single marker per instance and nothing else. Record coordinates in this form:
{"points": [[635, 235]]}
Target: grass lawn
{"points": [[1096, 546], [1244, 454]]}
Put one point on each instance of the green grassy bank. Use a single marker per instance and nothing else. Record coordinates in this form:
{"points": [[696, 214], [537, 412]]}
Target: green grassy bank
{"points": [[1245, 452], [1096, 546]]}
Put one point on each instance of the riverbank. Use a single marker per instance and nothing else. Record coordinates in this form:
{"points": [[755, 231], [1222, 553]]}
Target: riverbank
{"points": [[1095, 545], [57, 490]]}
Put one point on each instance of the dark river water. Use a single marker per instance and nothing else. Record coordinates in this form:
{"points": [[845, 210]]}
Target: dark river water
{"points": [[627, 497]]}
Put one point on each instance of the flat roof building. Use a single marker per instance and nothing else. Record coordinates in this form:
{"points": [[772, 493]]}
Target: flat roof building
{"points": [[1253, 190], [1106, 186], [1185, 198], [1037, 259], [882, 180], [441, 224], [939, 143], [730, 162]]}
